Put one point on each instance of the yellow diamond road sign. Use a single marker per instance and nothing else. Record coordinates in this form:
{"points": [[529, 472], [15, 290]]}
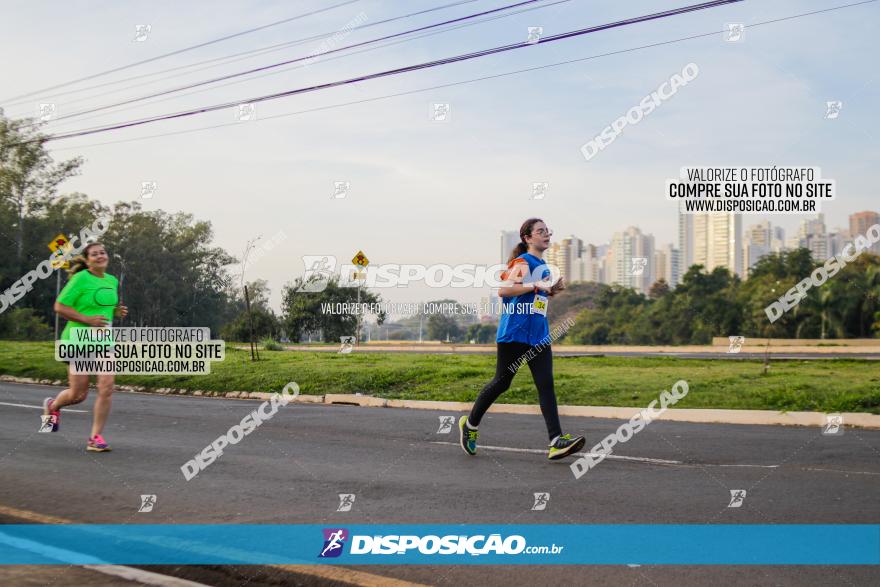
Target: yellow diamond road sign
{"points": [[360, 260], [59, 242]]}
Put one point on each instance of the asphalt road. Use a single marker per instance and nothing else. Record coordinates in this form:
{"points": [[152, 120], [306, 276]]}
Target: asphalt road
{"points": [[293, 468]]}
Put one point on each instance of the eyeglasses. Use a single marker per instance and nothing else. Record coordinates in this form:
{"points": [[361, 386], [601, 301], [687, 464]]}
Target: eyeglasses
{"points": [[544, 232]]}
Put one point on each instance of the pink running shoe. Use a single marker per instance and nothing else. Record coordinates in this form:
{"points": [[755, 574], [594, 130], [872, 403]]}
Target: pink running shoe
{"points": [[97, 444], [54, 415]]}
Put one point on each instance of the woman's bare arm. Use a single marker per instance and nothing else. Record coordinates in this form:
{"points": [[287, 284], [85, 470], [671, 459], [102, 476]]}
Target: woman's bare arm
{"points": [[518, 289], [69, 313]]}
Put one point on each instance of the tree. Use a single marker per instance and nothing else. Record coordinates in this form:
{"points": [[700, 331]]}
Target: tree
{"points": [[610, 321], [304, 311], [24, 324], [169, 273], [481, 333], [443, 327], [659, 289], [27, 172], [266, 323]]}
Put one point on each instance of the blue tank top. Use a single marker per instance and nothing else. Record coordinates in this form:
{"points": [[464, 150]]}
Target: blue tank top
{"points": [[522, 320]]}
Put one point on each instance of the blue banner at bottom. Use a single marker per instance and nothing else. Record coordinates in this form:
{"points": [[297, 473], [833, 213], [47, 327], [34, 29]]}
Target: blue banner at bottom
{"points": [[369, 544]]}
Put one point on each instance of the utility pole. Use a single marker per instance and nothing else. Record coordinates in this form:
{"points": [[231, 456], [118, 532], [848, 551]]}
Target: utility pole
{"points": [[357, 334], [57, 293], [360, 260], [60, 242]]}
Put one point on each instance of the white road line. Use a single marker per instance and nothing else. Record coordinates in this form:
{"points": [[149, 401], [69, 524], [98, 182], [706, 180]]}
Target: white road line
{"points": [[143, 577], [52, 552], [614, 457], [130, 573], [41, 407], [841, 471], [543, 452], [752, 466]]}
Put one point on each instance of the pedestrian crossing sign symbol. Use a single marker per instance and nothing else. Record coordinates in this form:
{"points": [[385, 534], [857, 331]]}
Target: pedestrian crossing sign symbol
{"points": [[59, 242], [360, 260]]}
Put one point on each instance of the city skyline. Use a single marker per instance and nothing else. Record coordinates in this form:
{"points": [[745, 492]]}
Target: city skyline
{"points": [[710, 240]]}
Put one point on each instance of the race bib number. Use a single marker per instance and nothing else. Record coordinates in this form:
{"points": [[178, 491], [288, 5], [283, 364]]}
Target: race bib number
{"points": [[539, 306]]}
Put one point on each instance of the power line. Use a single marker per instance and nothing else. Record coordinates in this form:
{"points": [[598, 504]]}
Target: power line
{"points": [[397, 94], [397, 71], [237, 56], [365, 50], [468, 81], [298, 59], [184, 50]]}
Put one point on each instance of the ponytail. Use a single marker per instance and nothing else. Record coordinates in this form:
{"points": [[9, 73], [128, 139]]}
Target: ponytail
{"points": [[518, 250], [79, 263], [524, 231]]}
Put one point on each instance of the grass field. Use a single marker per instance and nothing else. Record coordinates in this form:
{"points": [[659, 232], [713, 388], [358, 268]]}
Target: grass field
{"points": [[818, 385]]}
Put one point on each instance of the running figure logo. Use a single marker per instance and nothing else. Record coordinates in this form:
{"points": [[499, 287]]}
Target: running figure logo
{"points": [[736, 343], [347, 344], [833, 425], [539, 189], [340, 189], [334, 540], [832, 109], [440, 112], [318, 271], [346, 500], [141, 32], [246, 112], [737, 496], [147, 503], [535, 33], [541, 501], [46, 111], [638, 265], [46, 423], [735, 32], [148, 189], [446, 423]]}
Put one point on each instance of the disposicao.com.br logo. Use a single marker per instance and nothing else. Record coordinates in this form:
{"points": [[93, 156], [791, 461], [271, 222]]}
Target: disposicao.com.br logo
{"points": [[320, 269], [450, 544]]}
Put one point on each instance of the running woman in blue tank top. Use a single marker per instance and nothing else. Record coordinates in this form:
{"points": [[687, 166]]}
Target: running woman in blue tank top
{"points": [[524, 337]]}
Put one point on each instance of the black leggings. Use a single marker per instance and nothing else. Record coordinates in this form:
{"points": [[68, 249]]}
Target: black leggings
{"points": [[541, 365]]}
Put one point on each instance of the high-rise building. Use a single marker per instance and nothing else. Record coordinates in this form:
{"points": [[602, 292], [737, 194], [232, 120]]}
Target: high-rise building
{"points": [[860, 222], [813, 236], [631, 257], [685, 240], [837, 239], [777, 243], [760, 234], [667, 265], [576, 262], [569, 259], [602, 263], [717, 239], [590, 265], [759, 241], [509, 239]]}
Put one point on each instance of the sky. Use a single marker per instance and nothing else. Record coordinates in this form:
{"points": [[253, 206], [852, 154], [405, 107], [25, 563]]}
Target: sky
{"points": [[424, 191]]}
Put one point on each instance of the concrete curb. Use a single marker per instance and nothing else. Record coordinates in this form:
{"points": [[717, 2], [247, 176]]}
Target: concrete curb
{"points": [[703, 416], [706, 416]]}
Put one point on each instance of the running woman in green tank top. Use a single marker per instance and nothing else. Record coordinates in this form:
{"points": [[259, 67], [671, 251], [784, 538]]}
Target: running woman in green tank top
{"points": [[89, 300]]}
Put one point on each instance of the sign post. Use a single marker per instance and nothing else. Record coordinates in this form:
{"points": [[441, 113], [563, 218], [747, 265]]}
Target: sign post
{"points": [[360, 259], [60, 242]]}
